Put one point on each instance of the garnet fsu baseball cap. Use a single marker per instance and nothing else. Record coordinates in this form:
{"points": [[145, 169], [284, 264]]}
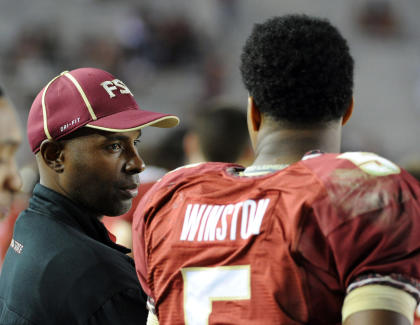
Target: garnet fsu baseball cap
{"points": [[87, 97]]}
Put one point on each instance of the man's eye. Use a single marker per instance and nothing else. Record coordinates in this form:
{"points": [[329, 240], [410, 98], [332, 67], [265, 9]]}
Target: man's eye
{"points": [[115, 146], [137, 142]]}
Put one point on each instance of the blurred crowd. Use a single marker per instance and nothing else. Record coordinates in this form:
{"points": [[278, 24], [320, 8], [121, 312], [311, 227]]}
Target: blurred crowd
{"points": [[141, 48]]}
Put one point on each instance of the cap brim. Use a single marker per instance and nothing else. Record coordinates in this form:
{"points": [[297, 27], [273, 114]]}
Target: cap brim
{"points": [[132, 120]]}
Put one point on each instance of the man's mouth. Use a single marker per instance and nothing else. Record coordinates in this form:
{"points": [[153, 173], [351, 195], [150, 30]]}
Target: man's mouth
{"points": [[129, 192]]}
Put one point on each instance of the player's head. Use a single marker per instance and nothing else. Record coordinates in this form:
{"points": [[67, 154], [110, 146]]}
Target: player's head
{"points": [[10, 138], [83, 127], [218, 133], [298, 70]]}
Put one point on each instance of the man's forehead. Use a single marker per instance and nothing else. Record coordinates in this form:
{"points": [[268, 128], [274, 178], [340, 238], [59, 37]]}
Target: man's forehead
{"points": [[87, 132], [121, 135]]}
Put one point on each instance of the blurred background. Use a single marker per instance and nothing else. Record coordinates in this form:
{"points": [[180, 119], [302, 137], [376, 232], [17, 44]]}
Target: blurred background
{"points": [[176, 55]]}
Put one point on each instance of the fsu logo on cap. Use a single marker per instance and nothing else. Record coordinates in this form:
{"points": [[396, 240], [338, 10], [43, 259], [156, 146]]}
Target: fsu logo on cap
{"points": [[111, 86]]}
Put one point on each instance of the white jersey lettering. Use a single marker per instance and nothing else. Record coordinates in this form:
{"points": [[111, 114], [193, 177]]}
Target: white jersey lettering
{"points": [[248, 214], [234, 220], [204, 222], [214, 217], [192, 221], [221, 231]]}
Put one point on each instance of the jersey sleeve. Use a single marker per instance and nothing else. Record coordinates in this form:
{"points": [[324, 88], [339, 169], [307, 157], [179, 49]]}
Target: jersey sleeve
{"points": [[380, 247], [139, 250], [371, 225]]}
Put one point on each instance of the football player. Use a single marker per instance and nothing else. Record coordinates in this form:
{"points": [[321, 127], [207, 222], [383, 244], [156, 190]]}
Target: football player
{"points": [[306, 234]]}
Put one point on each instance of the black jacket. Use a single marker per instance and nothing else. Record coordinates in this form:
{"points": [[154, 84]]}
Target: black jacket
{"points": [[62, 268]]}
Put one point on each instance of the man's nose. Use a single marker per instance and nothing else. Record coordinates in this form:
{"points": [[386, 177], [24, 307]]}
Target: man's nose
{"points": [[135, 163]]}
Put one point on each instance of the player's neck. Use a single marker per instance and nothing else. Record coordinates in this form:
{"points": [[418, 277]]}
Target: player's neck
{"points": [[287, 146]]}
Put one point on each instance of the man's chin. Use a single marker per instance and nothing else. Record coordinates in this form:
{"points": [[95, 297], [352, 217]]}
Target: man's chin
{"points": [[119, 210]]}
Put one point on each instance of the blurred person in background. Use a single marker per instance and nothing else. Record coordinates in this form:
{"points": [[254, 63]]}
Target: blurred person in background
{"points": [[10, 139], [218, 132], [305, 235], [62, 266], [29, 176]]}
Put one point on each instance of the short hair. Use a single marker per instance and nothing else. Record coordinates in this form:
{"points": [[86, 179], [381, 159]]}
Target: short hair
{"points": [[298, 69], [222, 132]]}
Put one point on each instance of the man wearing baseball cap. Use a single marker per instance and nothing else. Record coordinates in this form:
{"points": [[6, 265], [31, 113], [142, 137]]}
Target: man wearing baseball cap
{"points": [[62, 267]]}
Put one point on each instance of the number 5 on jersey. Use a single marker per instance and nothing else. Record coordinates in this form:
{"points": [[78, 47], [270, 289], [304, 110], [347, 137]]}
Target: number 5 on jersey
{"points": [[203, 285]]}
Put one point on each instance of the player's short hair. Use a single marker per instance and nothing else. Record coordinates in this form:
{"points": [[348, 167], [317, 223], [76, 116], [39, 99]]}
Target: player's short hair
{"points": [[222, 132], [298, 69]]}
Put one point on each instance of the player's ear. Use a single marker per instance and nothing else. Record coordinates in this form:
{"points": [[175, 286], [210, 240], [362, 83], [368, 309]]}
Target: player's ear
{"points": [[52, 154], [348, 113], [254, 115]]}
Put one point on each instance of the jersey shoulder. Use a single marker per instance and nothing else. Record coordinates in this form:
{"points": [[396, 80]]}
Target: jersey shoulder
{"points": [[357, 184], [186, 173], [364, 165], [163, 190]]}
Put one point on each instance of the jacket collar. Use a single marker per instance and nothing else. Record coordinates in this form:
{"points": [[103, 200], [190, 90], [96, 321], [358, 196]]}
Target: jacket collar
{"points": [[50, 203]]}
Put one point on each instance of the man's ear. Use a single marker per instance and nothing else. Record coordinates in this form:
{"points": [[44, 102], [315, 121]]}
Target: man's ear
{"points": [[52, 154], [348, 113], [254, 115]]}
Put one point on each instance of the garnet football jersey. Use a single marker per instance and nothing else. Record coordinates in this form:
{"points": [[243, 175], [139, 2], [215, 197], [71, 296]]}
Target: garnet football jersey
{"points": [[213, 247]]}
